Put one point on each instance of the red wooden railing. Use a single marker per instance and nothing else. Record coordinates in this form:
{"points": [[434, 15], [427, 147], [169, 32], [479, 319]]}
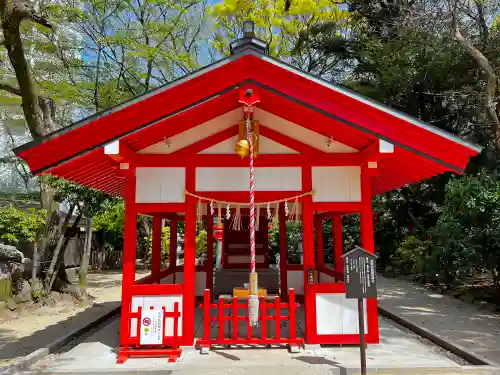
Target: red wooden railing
{"points": [[264, 318], [170, 344]]}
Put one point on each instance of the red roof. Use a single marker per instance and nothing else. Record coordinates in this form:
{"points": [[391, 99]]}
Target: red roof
{"points": [[76, 152]]}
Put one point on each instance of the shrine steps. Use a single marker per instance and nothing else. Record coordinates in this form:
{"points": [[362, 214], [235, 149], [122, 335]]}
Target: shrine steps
{"points": [[227, 279]]}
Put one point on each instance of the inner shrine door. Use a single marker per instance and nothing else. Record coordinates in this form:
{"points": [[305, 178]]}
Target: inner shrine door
{"points": [[236, 249]]}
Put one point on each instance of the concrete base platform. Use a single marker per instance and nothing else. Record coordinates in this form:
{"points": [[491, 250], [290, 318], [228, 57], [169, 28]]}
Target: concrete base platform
{"points": [[397, 353]]}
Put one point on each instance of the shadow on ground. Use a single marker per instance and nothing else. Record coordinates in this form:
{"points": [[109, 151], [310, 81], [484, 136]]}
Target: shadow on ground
{"points": [[13, 347], [467, 325]]}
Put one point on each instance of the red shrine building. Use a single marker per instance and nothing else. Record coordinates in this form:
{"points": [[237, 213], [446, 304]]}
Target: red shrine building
{"points": [[321, 153]]}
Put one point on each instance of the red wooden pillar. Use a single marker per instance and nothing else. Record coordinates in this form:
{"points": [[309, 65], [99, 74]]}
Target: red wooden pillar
{"points": [[156, 247], [366, 219], [129, 253], [172, 251], [189, 261], [338, 243], [308, 247], [210, 251], [320, 250], [283, 253], [367, 242]]}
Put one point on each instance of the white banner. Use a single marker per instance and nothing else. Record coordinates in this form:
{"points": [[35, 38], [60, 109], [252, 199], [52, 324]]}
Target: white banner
{"points": [[151, 327]]}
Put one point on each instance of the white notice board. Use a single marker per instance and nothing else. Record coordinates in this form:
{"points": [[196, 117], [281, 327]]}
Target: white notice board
{"points": [[151, 327]]}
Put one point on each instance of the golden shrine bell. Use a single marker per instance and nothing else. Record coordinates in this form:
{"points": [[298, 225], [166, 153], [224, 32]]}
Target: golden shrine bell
{"points": [[242, 148]]}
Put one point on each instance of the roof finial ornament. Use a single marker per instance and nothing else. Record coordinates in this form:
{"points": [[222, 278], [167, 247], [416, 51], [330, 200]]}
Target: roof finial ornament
{"points": [[249, 41], [248, 29]]}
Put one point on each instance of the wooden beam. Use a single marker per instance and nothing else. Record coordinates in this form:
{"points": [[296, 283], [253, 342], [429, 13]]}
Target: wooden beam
{"points": [[291, 142], [376, 150], [210, 141], [344, 207], [120, 152], [278, 160]]}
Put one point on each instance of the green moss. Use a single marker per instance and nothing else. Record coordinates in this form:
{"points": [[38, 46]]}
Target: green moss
{"points": [[5, 289], [37, 291]]}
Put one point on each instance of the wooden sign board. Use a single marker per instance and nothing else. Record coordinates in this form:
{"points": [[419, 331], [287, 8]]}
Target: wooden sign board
{"points": [[360, 274]]}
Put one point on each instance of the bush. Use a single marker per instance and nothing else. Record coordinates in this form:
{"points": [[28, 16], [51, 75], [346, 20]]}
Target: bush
{"points": [[165, 244], [19, 225], [413, 256]]}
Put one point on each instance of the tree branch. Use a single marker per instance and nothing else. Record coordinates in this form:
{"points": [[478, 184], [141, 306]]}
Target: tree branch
{"points": [[41, 20], [9, 88], [489, 72]]}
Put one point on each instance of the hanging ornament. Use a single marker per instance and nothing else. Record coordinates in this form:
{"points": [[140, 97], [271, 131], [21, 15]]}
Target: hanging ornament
{"points": [[295, 211], [286, 209], [242, 148], [212, 208], [236, 225], [219, 217], [199, 214], [269, 216], [228, 211], [276, 216]]}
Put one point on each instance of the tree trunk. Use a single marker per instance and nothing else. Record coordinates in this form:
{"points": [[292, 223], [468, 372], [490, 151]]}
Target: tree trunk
{"points": [[38, 111], [61, 272], [35, 262], [84, 263], [47, 198], [57, 250], [148, 231]]}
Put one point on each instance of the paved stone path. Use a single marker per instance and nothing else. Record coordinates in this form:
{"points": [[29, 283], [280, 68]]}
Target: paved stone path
{"points": [[397, 351], [456, 321]]}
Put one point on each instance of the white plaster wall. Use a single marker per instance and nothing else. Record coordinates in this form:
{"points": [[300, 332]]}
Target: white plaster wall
{"points": [[296, 280], [336, 184], [266, 146], [160, 185], [236, 179], [157, 302], [336, 314], [225, 147], [300, 133], [195, 134]]}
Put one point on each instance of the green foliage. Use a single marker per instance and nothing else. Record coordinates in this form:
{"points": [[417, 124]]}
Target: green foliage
{"points": [[111, 217], [201, 242], [109, 223], [165, 244], [467, 233], [89, 201], [37, 291], [280, 30], [293, 237], [18, 225], [414, 256]]}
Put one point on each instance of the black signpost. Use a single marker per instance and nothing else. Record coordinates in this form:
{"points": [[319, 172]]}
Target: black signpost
{"points": [[360, 282]]}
